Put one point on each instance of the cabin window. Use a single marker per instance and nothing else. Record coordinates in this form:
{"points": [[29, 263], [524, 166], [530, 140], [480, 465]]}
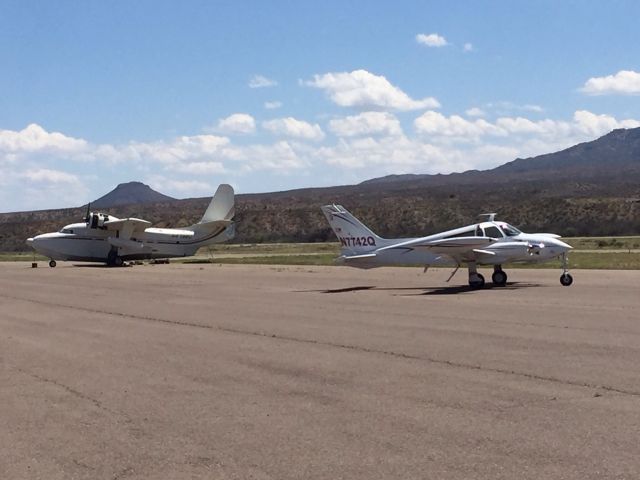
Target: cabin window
{"points": [[468, 233], [493, 232]]}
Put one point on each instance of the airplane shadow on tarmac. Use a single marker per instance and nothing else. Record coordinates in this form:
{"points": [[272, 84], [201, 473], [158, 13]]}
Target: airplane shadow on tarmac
{"points": [[448, 290]]}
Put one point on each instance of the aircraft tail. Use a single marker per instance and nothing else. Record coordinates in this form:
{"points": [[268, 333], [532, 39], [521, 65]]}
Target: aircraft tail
{"points": [[216, 224], [355, 237], [222, 205]]}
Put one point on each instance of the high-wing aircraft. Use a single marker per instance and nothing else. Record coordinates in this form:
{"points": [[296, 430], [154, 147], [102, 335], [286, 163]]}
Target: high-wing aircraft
{"points": [[105, 238], [489, 242]]}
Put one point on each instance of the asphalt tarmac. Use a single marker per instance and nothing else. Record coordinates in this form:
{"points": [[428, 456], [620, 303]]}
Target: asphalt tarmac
{"points": [[266, 372]]}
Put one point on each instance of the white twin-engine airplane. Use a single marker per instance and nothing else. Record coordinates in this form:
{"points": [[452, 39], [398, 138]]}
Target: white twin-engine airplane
{"points": [[486, 243], [107, 239]]}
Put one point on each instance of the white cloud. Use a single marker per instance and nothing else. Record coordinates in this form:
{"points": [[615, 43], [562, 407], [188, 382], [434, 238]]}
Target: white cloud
{"points": [[46, 175], [366, 123], [179, 188], [181, 150], [475, 112], [291, 127], [363, 89], [533, 108], [467, 47], [40, 187], [596, 125], [272, 105], [260, 81], [34, 138], [431, 40], [625, 82], [436, 124], [201, 168], [506, 108], [237, 123], [529, 137]]}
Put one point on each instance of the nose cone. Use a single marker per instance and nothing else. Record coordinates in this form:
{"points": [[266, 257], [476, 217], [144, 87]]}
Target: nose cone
{"points": [[559, 245], [30, 241]]}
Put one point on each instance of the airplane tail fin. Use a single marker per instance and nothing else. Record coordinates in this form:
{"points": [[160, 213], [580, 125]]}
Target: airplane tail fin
{"points": [[355, 237], [216, 224], [222, 205]]}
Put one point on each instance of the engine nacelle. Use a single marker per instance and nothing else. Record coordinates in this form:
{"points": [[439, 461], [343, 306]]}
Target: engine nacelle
{"points": [[97, 220], [535, 248]]}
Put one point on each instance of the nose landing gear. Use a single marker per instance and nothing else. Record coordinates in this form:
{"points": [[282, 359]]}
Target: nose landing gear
{"points": [[565, 279], [52, 263]]}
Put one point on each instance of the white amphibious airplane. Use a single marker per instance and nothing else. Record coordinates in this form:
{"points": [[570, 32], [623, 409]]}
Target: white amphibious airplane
{"points": [[105, 238], [486, 243]]}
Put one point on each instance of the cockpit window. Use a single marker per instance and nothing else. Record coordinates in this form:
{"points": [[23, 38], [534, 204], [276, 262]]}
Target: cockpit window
{"points": [[66, 230], [493, 232], [510, 231]]}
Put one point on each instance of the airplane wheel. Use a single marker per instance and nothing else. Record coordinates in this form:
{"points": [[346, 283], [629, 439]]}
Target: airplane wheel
{"points": [[113, 260], [52, 263], [499, 278], [478, 282], [566, 279]]}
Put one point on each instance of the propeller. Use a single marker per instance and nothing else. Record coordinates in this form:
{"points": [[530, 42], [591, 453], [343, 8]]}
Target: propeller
{"points": [[86, 217]]}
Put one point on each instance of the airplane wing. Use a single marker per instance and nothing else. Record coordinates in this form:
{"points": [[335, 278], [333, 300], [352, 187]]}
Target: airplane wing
{"points": [[457, 246], [460, 249], [127, 226]]}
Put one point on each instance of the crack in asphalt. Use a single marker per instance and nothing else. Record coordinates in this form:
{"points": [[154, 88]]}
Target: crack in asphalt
{"points": [[351, 347], [97, 403]]}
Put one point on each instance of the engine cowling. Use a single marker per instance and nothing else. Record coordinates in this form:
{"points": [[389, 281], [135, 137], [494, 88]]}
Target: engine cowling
{"points": [[535, 248], [97, 219]]}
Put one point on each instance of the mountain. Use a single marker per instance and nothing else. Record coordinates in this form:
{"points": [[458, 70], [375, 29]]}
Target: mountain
{"points": [[130, 193], [589, 189], [613, 154]]}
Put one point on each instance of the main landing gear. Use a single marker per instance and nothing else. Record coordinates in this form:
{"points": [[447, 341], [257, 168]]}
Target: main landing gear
{"points": [[114, 260], [565, 279], [52, 263], [475, 279], [499, 277]]}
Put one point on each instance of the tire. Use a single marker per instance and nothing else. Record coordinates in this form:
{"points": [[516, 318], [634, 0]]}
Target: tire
{"points": [[117, 262], [111, 258], [566, 279], [478, 283], [499, 278], [52, 263]]}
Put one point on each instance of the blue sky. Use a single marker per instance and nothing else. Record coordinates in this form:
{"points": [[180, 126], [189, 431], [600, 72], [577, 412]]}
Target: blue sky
{"points": [[287, 94]]}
